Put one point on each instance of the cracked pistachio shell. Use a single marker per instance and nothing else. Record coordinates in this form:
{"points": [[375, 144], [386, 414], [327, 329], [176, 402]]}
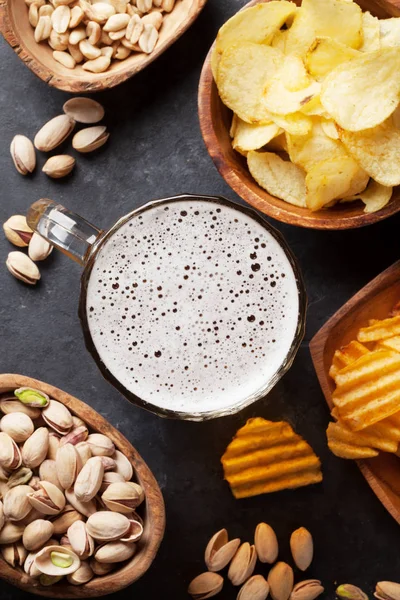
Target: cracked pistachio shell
{"points": [[134, 532], [76, 436], [57, 561], [39, 248], [30, 567], [66, 519], [16, 503], [10, 405], [48, 500], [31, 397], [90, 139], [36, 534], [109, 478], [219, 551], [243, 564], [387, 590], [123, 466], [11, 532], [100, 445], [22, 267], [58, 166], [18, 426], [307, 590], [14, 554], [114, 552], [35, 448], [81, 575], [54, 444], [84, 110], [89, 479], [352, 592], [68, 464], [48, 472], [17, 231], [20, 477], [99, 568], [53, 133], [86, 508], [82, 543], [123, 496], [58, 417], [10, 455], [255, 588], [23, 154], [106, 526], [206, 585]]}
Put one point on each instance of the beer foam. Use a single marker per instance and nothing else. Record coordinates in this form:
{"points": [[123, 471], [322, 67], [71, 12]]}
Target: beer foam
{"points": [[192, 305]]}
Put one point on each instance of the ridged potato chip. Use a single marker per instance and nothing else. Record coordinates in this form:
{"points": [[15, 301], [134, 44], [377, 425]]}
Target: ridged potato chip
{"points": [[325, 54], [253, 137], [345, 444], [279, 177], [329, 180], [345, 356], [377, 151], [375, 197], [389, 32], [265, 457], [387, 429], [380, 330], [242, 73], [392, 343], [370, 33], [344, 94]]}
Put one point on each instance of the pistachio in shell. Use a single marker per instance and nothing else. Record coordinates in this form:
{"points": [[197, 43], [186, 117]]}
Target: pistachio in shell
{"points": [[17, 231], [10, 455], [206, 585], [57, 561], [9, 404], [23, 154], [16, 503], [109, 478], [58, 417], [89, 479], [113, 552], [123, 497], [36, 534], [100, 445], [32, 397], [100, 568], [68, 465], [35, 448], [14, 554], [59, 166], [66, 519], [22, 267], [82, 575], [76, 436], [11, 532], [123, 465], [48, 500], [20, 477], [53, 133], [106, 526], [134, 532], [81, 542], [84, 110], [30, 567], [86, 508], [18, 426], [90, 139], [387, 590]]}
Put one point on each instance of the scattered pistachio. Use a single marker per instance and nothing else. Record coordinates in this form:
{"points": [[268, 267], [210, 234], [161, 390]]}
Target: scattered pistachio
{"points": [[17, 231], [350, 592], [91, 138], [387, 590], [23, 154], [39, 248]]}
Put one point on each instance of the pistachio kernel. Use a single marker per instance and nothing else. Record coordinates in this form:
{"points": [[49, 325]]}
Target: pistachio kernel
{"points": [[60, 559]]}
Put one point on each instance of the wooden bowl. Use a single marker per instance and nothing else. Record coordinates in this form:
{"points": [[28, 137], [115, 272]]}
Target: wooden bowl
{"points": [[374, 301], [215, 120], [154, 508], [17, 31]]}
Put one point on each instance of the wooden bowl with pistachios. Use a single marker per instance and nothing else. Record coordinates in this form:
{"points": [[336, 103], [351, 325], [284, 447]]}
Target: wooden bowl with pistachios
{"points": [[86, 46], [81, 514]]}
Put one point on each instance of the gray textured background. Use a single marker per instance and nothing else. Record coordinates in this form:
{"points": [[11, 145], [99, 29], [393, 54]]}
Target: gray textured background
{"points": [[156, 150]]}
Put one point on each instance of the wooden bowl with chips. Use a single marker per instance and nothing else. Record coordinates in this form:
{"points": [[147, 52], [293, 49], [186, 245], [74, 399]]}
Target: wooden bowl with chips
{"points": [[215, 121], [374, 301]]}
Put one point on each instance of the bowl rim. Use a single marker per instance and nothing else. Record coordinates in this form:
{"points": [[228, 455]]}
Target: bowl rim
{"points": [[155, 507], [283, 212]]}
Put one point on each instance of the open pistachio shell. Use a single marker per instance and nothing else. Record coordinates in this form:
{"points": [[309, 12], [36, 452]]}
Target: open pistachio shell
{"points": [[31, 397], [10, 455], [58, 417], [10, 404], [14, 554], [81, 575], [123, 497], [123, 466], [82, 543], [48, 500], [86, 508], [134, 532], [57, 561], [16, 503], [29, 566], [36, 534]]}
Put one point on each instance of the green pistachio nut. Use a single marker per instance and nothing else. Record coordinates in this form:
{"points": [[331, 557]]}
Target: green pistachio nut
{"points": [[350, 592], [61, 559], [32, 397]]}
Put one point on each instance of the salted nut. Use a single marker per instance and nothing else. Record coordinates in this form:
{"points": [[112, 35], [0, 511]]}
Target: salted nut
{"points": [[280, 579], [255, 588], [68, 465], [17, 231], [16, 504], [31, 397], [105, 526], [14, 554], [36, 534], [35, 448], [53, 133], [48, 500], [18, 426], [67, 517], [75, 436], [307, 590], [58, 166], [11, 532], [57, 561], [206, 585], [22, 267], [123, 466], [58, 417], [84, 110], [89, 479], [266, 543], [114, 552], [23, 154], [39, 248], [9, 404], [123, 497], [302, 547], [82, 575], [243, 564], [91, 138], [100, 445], [10, 455], [219, 551], [387, 590], [81, 542], [350, 592], [86, 508]]}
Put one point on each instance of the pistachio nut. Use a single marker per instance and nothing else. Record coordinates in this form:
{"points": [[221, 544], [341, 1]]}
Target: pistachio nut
{"points": [[23, 154], [302, 547], [100, 445], [57, 561], [64, 541], [134, 532], [77, 422], [243, 564], [48, 472], [307, 590], [113, 552], [75, 436], [91, 138], [22, 267], [123, 496], [14, 554], [123, 466], [36, 534], [39, 248], [58, 417], [89, 479], [30, 567], [11, 532], [219, 551], [18, 426], [106, 526], [54, 444], [86, 508], [9, 404], [109, 478], [58, 166], [30, 517], [4, 475], [53, 133], [350, 592], [17, 231], [206, 585], [31, 397], [108, 463], [255, 588], [16, 503], [66, 519], [48, 500], [35, 448], [387, 590], [34, 483], [3, 489], [82, 543], [10, 455], [20, 477], [81, 575], [68, 464], [84, 110], [84, 452], [280, 580], [266, 543], [100, 568]]}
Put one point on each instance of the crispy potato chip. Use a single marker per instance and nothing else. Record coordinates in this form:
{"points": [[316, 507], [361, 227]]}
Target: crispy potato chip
{"points": [[380, 330], [267, 457], [300, 36], [329, 180], [375, 197], [277, 144], [396, 117], [387, 429], [370, 33], [293, 74], [368, 390], [279, 177], [357, 187], [389, 32], [392, 343], [370, 437], [297, 123], [279, 40], [377, 151], [342, 443], [306, 150], [330, 129], [343, 91], [336, 19], [252, 137], [345, 356], [325, 54], [314, 108], [242, 73]]}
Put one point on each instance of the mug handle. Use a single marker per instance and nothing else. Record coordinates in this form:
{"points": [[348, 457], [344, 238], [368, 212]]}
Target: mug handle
{"points": [[69, 232]]}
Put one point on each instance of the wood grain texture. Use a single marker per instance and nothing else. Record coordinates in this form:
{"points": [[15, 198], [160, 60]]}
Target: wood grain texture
{"points": [[374, 301], [154, 509], [17, 31], [215, 119]]}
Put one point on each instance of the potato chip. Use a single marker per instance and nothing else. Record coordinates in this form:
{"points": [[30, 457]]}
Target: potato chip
{"points": [[293, 74], [233, 126], [330, 129], [345, 356], [330, 180], [325, 54], [370, 437], [368, 390], [252, 137], [306, 150], [267, 457], [387, 429], [344, 94], [300, 36], [357, 187], [370, 33], [279, 177], [297, 123], [392, 343], [277, 144], [342, 443], [314, 108], [335, 19], [375, 197], [279, 40], [389, 32], [242, 73], [377, 151], [380, 330]]}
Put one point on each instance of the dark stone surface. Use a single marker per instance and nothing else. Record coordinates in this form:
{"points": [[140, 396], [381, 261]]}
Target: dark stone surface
{"points": [[156, 150]]}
